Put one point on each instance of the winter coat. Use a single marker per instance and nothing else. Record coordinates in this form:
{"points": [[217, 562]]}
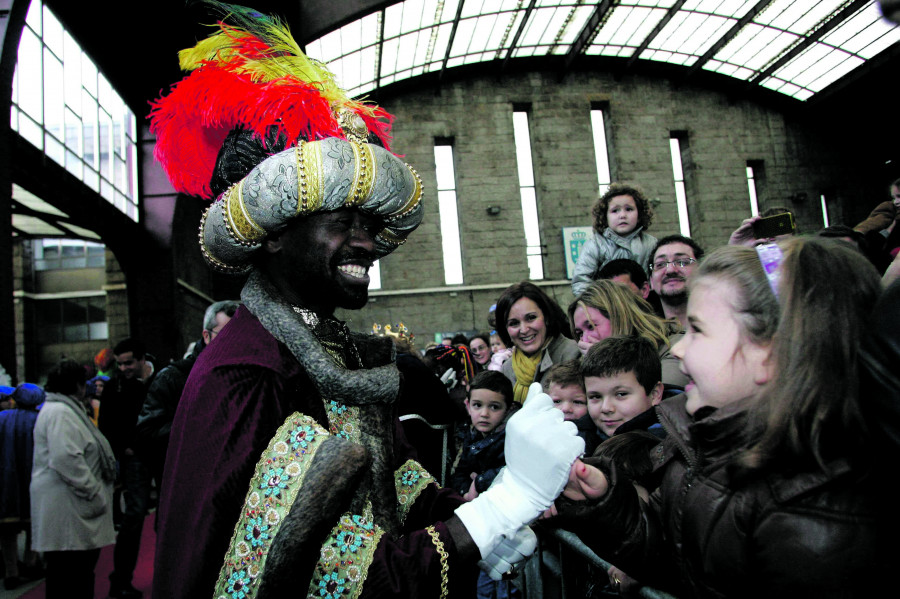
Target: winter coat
{"points": [[71, 481], [561, 349], [600, 249], [712, 530], [16, 452], [481, 454]]}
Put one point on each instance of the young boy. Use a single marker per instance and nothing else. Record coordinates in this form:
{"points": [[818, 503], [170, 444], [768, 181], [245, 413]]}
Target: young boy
{"points": [[622, 379], [489, 404], [566, 389], [481, 458]]}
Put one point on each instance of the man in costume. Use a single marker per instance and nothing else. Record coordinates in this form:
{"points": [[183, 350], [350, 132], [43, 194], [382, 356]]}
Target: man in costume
{"points": [[287, 470]]}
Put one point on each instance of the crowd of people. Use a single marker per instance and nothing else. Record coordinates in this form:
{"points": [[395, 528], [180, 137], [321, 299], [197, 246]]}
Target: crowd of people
{"points": [[712, 424]]}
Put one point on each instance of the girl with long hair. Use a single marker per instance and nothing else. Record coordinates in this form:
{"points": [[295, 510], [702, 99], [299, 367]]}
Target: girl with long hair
{"points": [[766, 484]]}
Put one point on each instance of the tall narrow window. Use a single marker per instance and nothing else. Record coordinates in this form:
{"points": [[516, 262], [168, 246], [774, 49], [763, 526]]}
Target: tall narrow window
{"points": [[751, 185], [375, 276], [675, 144], [601, 152], [446, 191], [824, 211], [533, 251]]}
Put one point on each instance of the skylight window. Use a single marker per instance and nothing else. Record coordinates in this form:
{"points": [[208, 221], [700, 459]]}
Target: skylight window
{"points": [[772, 48]]}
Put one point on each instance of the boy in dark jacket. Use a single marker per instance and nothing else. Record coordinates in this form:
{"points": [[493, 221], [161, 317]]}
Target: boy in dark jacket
{"points": [[489, 405]]}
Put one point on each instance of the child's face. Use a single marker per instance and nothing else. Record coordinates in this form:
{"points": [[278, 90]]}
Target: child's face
{"points": [[497, 344], [614, 400], [486, 408], [570, 399], [722, 364], [622, 214]]}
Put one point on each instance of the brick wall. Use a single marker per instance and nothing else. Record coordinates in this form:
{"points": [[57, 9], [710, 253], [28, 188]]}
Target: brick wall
{"points": [[723, 135]]}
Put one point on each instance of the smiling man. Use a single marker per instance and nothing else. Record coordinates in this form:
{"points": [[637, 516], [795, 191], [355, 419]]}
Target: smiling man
{"points": [[674, 259], [287, 472]]}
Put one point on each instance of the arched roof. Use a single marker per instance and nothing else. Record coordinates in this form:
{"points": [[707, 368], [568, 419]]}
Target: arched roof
{"points": [[797, 48]]}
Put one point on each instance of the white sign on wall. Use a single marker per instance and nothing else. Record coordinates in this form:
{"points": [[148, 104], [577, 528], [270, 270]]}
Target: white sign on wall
{"points": [[573, 239]]}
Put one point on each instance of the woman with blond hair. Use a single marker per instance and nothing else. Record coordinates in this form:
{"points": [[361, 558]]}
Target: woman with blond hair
{"points": [[606, 308]]}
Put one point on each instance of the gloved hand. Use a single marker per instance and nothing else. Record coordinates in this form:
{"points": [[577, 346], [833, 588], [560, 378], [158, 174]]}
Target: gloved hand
{"points": [[510, 552], [540, 449], [449, 378]]}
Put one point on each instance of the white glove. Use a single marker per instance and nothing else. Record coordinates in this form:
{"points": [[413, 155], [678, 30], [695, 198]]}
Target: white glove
{"points": [[540, 449], [449, 378], [509, 553]]}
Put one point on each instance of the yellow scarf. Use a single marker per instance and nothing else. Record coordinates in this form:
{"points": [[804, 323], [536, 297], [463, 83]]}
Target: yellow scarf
{"points": [[524, 367]]}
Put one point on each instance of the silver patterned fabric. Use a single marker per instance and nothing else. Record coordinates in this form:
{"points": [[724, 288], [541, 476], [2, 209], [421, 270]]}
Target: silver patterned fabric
{"points": [[319, 176]]}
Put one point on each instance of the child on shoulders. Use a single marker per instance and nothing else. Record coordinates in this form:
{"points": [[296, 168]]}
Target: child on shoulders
{"points": [[622, 216]]}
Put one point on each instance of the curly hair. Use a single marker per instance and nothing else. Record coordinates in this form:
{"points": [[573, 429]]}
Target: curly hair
{"points": [[601, 206]]}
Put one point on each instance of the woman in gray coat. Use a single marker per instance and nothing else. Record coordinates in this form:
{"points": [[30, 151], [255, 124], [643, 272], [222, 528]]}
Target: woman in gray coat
{"points": [[71, 486]]}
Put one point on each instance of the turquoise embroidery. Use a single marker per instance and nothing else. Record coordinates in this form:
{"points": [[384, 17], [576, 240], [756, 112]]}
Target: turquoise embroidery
{"points": [[273, 482], [331, 587], [236, 583], [256, 532]]}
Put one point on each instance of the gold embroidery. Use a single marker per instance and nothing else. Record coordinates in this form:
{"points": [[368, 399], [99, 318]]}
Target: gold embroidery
{"points": [[439, 545]]}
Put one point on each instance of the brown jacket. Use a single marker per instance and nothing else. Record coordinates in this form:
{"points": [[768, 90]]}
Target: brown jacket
{"points": [[880, 218], [711, 532]]}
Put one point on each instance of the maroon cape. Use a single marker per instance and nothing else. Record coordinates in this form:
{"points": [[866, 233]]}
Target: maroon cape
{"points": [[240, 391]]}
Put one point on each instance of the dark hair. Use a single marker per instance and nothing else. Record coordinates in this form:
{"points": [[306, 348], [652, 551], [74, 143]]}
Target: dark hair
{"points": [[65, 377], [601, 206], [840, 231], [135, 346], [495, 381], [483, 336], [698, 251], [623, 266], [895, 184], [631, 453], [565, 374], [459, 339], [622, 353], [554, 317]]}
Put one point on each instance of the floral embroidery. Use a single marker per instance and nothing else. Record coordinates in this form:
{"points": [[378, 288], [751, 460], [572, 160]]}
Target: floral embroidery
{"points": [[236, 583], [273, 482], [348, 541], [278, 477], [256, 532], [336, 408], [331, 587], [410, 480], [345, 557], [343, 420], [301, 437]]}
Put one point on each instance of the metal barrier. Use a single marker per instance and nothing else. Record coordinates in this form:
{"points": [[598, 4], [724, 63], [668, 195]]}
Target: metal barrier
{"points": [[563, 567], [445, 442]]}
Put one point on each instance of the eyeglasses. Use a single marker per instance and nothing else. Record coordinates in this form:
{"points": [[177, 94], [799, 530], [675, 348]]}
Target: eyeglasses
{"points": [[680, 263]]}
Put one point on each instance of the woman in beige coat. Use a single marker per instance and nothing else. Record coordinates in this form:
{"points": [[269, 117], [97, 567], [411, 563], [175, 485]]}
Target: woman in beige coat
{"points": [[71, 486]]}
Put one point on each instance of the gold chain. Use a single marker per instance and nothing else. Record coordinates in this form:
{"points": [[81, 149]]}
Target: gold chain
{"points": [[436, 539]]}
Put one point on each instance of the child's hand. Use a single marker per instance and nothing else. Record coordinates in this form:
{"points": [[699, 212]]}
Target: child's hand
{"points": [[471, 493], [622, 582], [585, 482]]}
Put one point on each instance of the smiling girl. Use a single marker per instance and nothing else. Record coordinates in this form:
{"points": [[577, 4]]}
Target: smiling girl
{"points": [[530, 321], [767, 486], [622, 216]]}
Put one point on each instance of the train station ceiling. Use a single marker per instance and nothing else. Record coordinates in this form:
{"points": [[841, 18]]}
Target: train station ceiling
{"points": [[796, 51]]}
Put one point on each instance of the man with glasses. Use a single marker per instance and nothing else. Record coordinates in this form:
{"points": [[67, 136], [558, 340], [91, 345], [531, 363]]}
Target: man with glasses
{"points": [[674, 259]]}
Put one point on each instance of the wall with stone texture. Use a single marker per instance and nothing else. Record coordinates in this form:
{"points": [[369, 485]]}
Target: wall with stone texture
{"points": [[722, 136]]}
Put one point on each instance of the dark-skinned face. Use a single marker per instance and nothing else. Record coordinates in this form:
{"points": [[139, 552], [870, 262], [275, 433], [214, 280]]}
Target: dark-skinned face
{"points": [[321, 262]]}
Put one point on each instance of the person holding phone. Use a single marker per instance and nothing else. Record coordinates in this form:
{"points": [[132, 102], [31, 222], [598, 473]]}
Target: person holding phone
{"points": [[775, 224]]}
